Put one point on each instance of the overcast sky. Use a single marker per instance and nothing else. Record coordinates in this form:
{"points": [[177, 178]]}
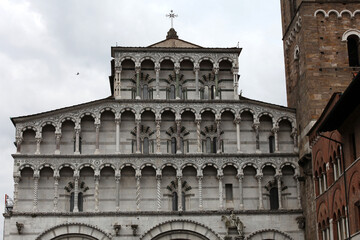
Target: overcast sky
{"points": [[43, 44]]}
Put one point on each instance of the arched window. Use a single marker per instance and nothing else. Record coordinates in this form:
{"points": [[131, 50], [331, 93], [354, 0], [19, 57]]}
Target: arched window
{"points": [[214, 145], [208, 145], [271, 144], [183, 201], [173, 145], [174, 201], [146, 145], [213, 94], [145, 92], [274, 198], [172, 94], [80, 202], [353, 50]]}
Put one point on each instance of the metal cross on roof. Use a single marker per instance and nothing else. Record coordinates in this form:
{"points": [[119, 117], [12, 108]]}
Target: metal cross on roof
{"points": [[172, 15]]}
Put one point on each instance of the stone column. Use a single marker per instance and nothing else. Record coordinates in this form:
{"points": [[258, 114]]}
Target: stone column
{"points": [[56, 190], [331, 229], [298, 191], [117, 137], [197, 93], [179, 189], [16, 191], [38, 141], [158, 138], [177, 89], [76, 190], [77, 140], [259, 177], [294, 136], [138, 135], [346, 223], [158, 189], [117, 182], [18, 144], [157, 72], [200, 178], [220, 177], [198, 134], [218, 135], [97, 137], [216, 71], [36, 186], [137, 70], [236, 84], [178, 139], [96, 191], [138, 193], [256, 128], [57, 142], [275, 130], [324, 179], [238, 139], [240, 176], [278, 180], [117, 83]]}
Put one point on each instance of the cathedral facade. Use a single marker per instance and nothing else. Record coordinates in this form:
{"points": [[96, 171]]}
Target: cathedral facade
{"points": [[173, 153]]}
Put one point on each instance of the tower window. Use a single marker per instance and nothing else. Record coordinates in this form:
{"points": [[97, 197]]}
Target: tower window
{"points": [[353, 50]]}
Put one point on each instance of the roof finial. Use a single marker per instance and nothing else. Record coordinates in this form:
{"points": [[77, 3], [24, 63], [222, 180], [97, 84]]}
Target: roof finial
{"points": [[172, 15]]}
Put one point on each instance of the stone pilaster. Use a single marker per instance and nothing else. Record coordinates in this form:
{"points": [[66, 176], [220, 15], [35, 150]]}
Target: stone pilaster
{"points": [[117, 83], [18, 144]]}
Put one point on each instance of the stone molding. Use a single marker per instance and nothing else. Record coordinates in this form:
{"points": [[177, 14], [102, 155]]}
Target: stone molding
{"points": [[338, 14], [185, 225], [80, 228], [158, 162], [75, 113], [271, 231], [157, 213]]}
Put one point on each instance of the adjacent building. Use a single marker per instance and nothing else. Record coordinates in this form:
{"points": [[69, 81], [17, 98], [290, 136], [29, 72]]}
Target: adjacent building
{"points": [[320, 39], [335, 145], [173, 153]]}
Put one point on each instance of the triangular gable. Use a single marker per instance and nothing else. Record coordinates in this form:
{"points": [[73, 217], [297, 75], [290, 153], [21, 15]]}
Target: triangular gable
{"points": [[174, 43]]}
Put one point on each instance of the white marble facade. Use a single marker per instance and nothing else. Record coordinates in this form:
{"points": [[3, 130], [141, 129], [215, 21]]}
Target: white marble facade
{"points": [[111, 168]]}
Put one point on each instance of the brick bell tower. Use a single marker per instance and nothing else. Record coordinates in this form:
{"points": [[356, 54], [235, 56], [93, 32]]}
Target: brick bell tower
{"points": [[321, 50]]}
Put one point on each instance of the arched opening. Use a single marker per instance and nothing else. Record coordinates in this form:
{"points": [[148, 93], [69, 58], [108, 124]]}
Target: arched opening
{"points": [[107, 132], [48, 144], [271, 144], [127, 79], [353, 50], [274, 198]]}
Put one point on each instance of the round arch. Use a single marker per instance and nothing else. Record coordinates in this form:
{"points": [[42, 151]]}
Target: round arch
{"points": [[181, 229], [86, 231], [269, 234]]}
